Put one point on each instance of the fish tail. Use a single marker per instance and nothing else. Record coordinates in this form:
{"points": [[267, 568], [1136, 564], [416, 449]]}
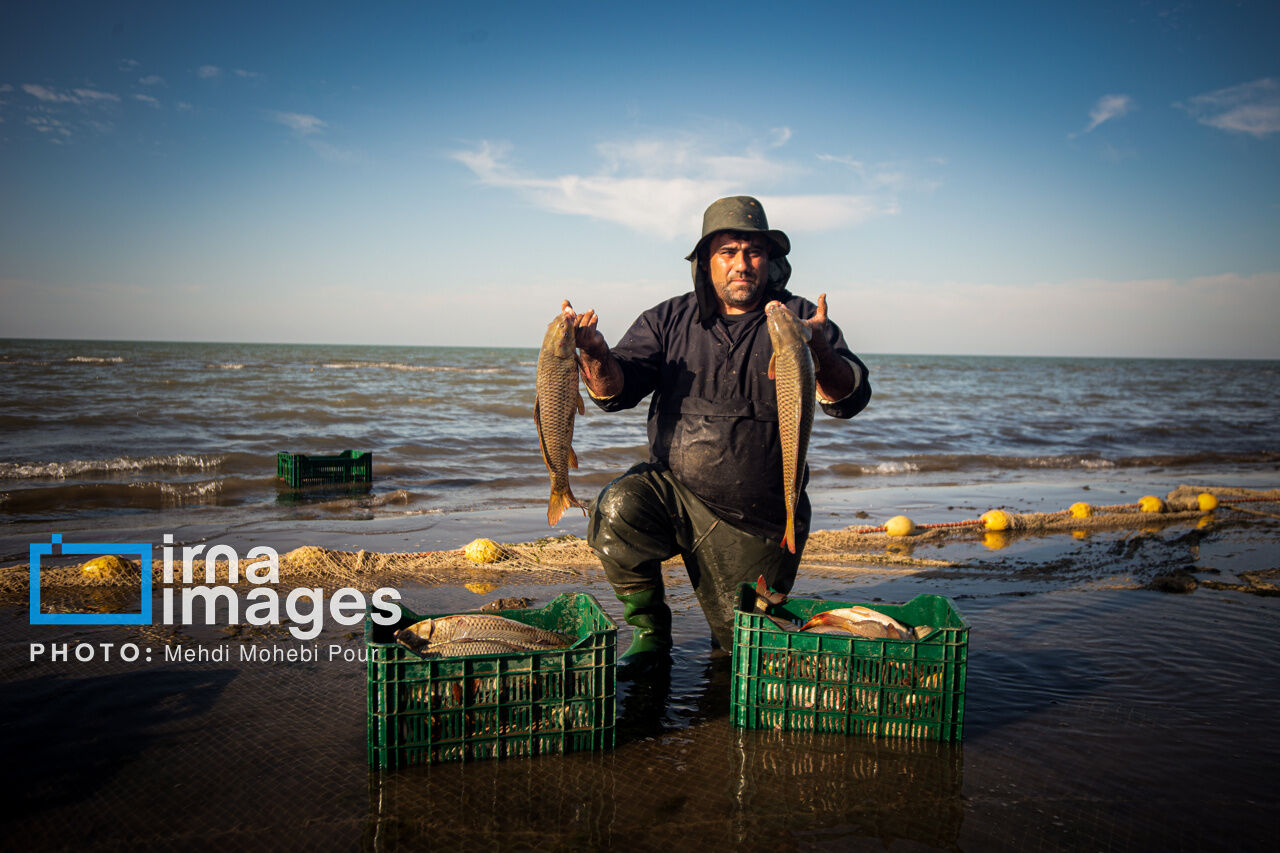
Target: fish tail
{"points": [[556, 506], [562, 499], [789, 537]]}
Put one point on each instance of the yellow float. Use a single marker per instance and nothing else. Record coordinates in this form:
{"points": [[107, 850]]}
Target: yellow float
{"points": [[108, 566], [483, 551], [899, 525], [997, 520], [1150, 503]]}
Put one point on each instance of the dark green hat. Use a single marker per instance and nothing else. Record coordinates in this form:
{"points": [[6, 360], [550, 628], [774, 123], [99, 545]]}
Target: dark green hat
{"points": [[739, 213]]}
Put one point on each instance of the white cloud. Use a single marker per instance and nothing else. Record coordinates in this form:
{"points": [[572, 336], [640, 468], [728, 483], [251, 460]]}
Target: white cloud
{"points": [[79, 97], [662, 185], [245, 75], [49, 125], [208, 72], [298, 122], [1107, 108], [1252, 108], [128, 64], [92, 95], [184, 106], [152, 80], [148, 100], [44, 94]]}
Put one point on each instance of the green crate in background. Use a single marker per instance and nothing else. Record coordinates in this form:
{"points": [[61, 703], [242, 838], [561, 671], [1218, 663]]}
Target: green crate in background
{"points": [[800, 681], [425, 711], [350, 467]]}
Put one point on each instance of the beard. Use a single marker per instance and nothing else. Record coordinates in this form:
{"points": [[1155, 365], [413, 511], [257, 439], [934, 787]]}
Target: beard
{"points": [[742, 293]]}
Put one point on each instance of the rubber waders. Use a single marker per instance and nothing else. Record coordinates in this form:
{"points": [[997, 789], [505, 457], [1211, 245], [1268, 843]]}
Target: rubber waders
{"points": [[646, 612]]}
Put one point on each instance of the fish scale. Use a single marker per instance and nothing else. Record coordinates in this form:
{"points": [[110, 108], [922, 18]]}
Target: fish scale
{"points": [[558, 400], [795, 382]]}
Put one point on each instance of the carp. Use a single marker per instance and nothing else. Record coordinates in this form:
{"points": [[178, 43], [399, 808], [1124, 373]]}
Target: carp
{"points": [[859, 621], [476, 633], [791, 368], [554, 407]]}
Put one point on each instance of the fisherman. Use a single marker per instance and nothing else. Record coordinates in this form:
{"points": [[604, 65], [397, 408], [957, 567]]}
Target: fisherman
{"points": [[712, 488]]}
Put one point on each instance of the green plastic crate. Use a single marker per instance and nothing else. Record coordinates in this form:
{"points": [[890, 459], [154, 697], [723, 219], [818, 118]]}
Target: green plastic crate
{"points": [[799, 681], [426, 711], [350, 467]]}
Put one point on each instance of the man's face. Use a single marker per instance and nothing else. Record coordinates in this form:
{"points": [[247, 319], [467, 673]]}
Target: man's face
{"points": [[739, 268]]}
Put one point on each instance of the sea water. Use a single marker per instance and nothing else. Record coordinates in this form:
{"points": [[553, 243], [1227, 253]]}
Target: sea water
{"points": [[104, 434]]}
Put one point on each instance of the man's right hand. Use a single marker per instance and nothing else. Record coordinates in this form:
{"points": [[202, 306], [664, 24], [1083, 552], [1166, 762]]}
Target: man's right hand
{"points": [[599, 369], [587, 338]]}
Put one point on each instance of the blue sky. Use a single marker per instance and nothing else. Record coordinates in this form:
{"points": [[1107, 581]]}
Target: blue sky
{"points": [[1004, 178]]}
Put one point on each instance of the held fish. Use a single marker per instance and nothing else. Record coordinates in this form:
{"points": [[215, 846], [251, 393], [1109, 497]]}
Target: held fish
{"points": [[791, 368], [431, 636], [558, 400]]}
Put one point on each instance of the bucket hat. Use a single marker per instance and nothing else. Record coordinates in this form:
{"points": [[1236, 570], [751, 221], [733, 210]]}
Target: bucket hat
{"points": [[739, 213], [746, 214]]}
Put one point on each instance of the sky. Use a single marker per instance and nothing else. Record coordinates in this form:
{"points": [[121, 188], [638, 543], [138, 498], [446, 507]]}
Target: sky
{"points": [[1059, 178]]}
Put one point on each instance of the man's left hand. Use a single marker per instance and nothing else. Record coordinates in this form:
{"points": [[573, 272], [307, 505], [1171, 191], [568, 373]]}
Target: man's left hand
{"points": [[817, 324]]}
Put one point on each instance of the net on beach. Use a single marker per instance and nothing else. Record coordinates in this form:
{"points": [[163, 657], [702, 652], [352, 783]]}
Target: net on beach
{"points": [[561, 558]]}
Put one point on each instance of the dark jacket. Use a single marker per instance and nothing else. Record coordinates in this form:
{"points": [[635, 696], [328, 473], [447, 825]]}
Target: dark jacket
{"points": [[713, 416]]}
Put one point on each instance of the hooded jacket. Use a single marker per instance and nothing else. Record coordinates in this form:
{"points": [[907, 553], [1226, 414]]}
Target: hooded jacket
{"points": [[713, 415]]}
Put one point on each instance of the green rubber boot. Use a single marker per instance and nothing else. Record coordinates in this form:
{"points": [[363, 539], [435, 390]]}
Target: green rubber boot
{"points": [[650, 651]]}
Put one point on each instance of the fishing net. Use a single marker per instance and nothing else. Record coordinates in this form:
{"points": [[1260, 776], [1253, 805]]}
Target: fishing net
{"points": [[553, 559]]}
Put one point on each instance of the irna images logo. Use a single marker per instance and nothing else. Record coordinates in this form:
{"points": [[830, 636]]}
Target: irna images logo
{"points": [[248, 597], [141, 550]]}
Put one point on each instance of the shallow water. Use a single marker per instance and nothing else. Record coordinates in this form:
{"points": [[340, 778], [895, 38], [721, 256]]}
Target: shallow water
{"points": [[1095, 718]]}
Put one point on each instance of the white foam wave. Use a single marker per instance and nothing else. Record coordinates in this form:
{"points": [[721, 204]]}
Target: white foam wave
{"points": [[393, 365], [181, 493], [120, 464], [93, 359], [891, 468]]}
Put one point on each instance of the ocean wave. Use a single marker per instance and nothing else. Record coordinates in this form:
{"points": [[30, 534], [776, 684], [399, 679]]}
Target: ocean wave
{"points": [[413, 368], [227, 366], [974, 462], [94, 359], [120, 464]]}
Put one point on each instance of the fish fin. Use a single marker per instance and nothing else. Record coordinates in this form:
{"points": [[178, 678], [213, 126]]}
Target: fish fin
{"points": [[789, 538], [773, 366], [818, 619], [559, 502], [542, 442], [765, 596], [573, 501], [573, 458], [582, 407]]}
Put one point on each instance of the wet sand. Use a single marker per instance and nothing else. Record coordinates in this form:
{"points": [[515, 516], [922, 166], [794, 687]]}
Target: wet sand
{"points": [[1100, 714]]}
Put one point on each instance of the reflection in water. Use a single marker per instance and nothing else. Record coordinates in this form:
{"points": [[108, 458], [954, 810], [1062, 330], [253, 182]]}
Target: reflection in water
{"points": [[753, 790], [680, 774], [865, 787]]}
